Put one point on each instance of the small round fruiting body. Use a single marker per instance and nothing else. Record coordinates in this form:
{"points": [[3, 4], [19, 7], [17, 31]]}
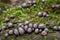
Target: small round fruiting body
{"points": [[55, 28], [21, 30], [33, 2], [40, 14], [46, 29], [19, 24], [29, 30], [42, 26], [30, 25], [44, 14], [35, 25], [10, 25], [3, 27], [29, 2], [12, 16], [6, 20], [58, 28], [40, 30], [25, 27], [43, 33], [10, 32], [36, 31], [43, 1], [26, 5], [16, 32], [26, 22], [34, 5]]}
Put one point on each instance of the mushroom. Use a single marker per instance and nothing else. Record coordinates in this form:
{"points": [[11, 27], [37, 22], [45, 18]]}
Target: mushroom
{"points": [[43, 33], [0, 29], [29, 30], [21, 30], [12, 16], [43, 1], [3, 27], [35, 25], [16, 32], [30, 25], [10, 32], [46, 29], [26, 5], [19, 24], [40, 30], [25, 27], [6, 20], [36, 30], [10, 25], [26, 22], [40, 14], [42, 26], [55, 28], [59, 28]]}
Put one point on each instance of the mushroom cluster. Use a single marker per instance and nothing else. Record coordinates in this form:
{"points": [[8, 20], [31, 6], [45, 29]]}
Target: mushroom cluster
{"points": [[29, 3], [42, 14], [27, 28]]}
